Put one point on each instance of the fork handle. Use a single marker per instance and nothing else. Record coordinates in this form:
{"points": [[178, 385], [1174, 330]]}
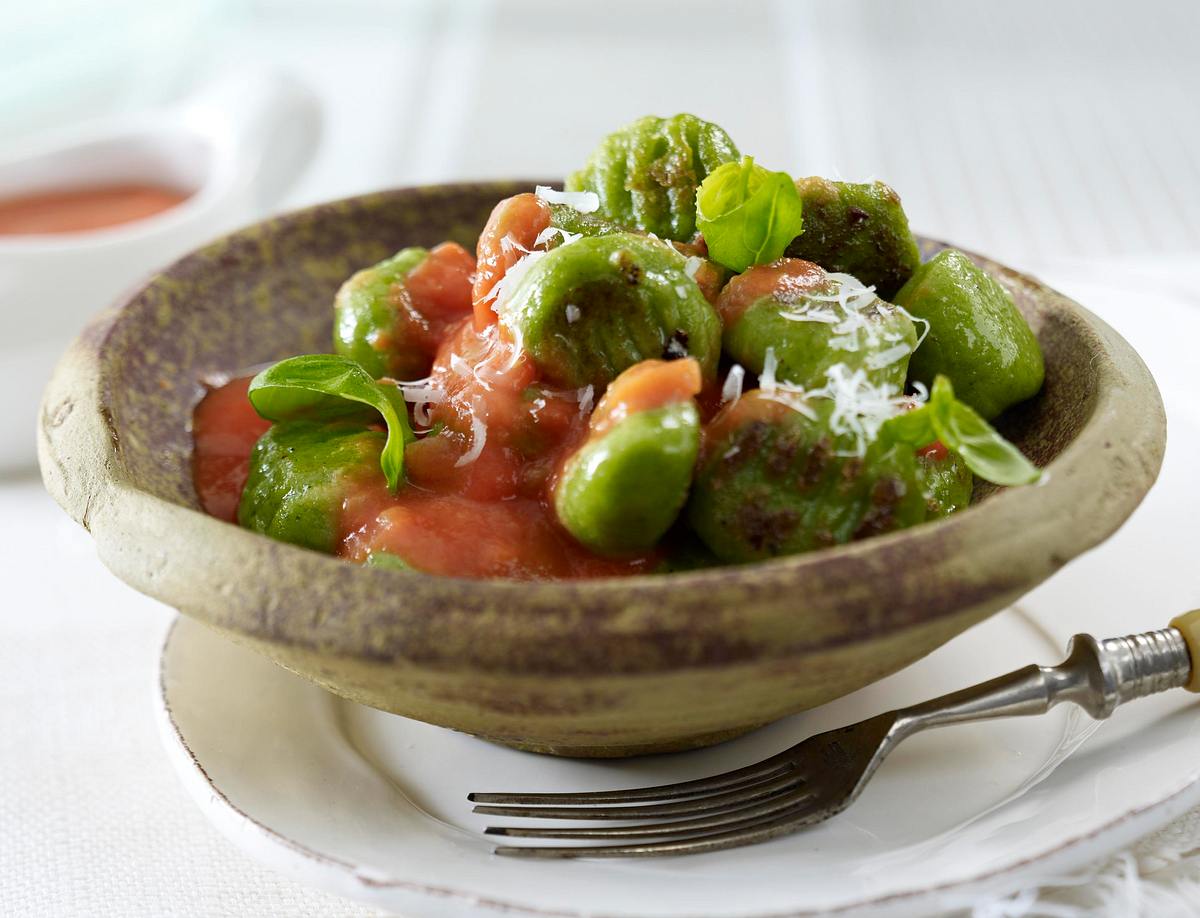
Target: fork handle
{"points": [[1098, 675]]}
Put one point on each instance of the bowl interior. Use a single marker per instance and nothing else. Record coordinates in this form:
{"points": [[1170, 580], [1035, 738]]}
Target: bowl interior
{"points": [[266, 293]]}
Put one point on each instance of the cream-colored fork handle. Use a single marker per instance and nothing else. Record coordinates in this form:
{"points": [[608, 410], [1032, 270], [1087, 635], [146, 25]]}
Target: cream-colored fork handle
{"points": [[1098, 675], [1188, 625]]}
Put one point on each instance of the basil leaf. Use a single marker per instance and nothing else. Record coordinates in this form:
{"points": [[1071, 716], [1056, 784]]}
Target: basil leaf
{"points": [[747, 214], [913, 428], [963, 431], [324, 387]]}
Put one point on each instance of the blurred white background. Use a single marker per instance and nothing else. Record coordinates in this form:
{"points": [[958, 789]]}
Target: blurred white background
{"points": [[1022, 128], [1062, 137]]}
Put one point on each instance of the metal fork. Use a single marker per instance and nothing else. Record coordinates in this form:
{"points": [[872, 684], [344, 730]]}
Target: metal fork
{"points": [[822, 775]]}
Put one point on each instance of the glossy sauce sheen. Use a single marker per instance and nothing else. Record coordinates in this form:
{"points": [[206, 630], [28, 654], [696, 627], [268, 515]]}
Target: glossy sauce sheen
{"points": [[489, 518], [225, 428], [511, 230], [467, 508], [787, 279], [473, 504], [83, 209]]}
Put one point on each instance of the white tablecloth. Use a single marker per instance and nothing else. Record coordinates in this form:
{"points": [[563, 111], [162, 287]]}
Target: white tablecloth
{"points": [[93, 822], [1036, 132]]}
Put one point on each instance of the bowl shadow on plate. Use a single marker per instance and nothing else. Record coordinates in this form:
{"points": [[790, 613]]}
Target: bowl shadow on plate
{"points": [[605, 668]]}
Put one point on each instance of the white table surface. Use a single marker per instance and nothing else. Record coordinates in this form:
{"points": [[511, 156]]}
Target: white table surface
{"points": [[1060, 137]]}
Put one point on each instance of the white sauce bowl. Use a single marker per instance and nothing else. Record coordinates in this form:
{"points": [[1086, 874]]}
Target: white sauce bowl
{"points": [[237, 147]]}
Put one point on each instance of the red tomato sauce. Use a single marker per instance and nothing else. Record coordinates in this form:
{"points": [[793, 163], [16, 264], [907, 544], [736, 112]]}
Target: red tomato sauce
{"points": [[649, 385], [755, 405], [511, 231], [490, 390], [487, 518], [785, 278], [466, 509], [225, 428], [82, 209], [441, 284], [435, 295], [477, 495], [935, 451], [453, 535]]}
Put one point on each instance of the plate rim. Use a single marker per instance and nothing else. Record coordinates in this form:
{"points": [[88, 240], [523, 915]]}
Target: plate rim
{"points": [[345, 878]]}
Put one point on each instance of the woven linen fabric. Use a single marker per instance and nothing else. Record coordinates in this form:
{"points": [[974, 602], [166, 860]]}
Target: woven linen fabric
{"points": [[1159, 877], [93, 821]]}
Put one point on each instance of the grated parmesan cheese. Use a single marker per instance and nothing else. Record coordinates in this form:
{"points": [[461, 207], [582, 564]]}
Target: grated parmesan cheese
{"points": [[859, 406], [887, 356], [511, 278], [478, 439], [810, 314], [916, 320], [792, 397], [508, 245], [732, 390], [585, 202], [421, 414], [845, 308], [421, 393], [692, 265], [573, 313], [500, 292], [782, 392], [585, 396], [766, 379], [551, 231]]}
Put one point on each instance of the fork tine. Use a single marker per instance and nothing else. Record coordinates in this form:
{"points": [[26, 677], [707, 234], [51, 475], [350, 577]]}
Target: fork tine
{"points": [[712, 803], [754, 831], [731, 819], [750, 774]]}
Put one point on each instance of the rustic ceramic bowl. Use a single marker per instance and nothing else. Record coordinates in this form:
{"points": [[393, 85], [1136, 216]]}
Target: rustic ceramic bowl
{"points": [[603, 668]]}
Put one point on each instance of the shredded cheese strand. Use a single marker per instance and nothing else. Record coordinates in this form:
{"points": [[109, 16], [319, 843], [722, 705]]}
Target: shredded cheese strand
{"points": [[845, 307], [479, 433], [860, 407], [586, 202], [585, 396], [732, 390]]}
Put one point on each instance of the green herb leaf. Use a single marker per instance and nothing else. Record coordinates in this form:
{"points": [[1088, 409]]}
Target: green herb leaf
{"points": [[325, 387], [747, 214], [914, 427], [961, 430]]}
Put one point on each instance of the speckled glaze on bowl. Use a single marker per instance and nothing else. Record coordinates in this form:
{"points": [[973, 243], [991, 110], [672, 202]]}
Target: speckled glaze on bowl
{"points": [[602, 668]]}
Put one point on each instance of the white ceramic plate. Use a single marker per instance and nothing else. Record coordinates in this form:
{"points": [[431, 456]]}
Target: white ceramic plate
{"points": [[374, 806]]}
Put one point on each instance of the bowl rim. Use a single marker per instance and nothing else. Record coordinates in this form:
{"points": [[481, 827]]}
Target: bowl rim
{"points": [[1080, 502]]}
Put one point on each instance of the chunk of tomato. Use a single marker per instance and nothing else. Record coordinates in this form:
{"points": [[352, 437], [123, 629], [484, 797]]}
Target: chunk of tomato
{"points": [[511, 231]]}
